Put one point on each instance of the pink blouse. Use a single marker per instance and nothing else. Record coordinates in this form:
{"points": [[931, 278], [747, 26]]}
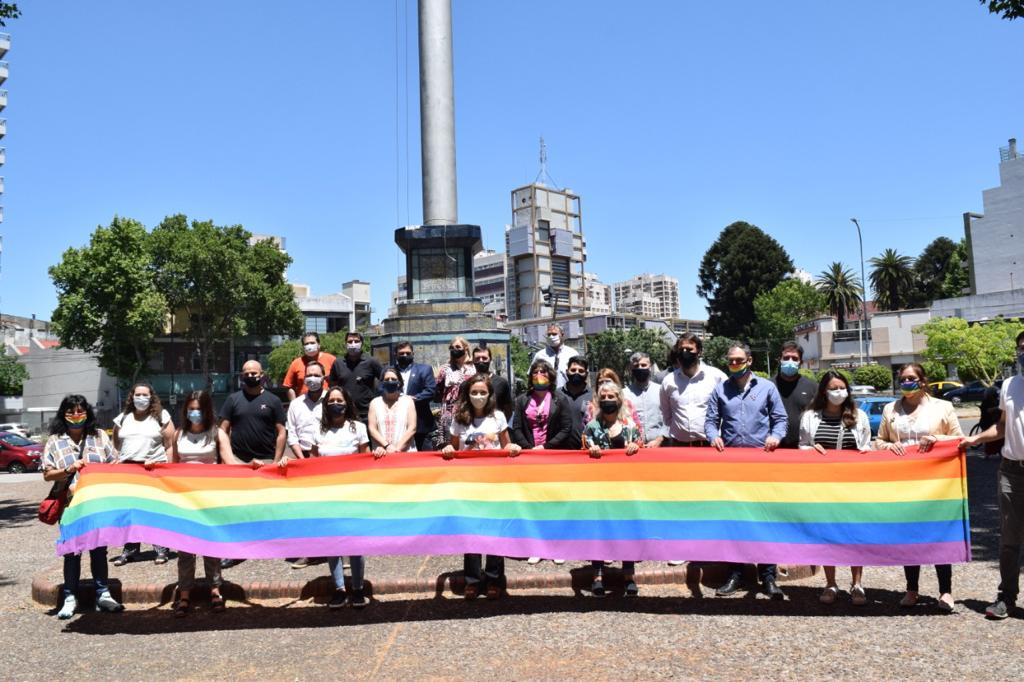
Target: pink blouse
{"points": [[537, 417]]}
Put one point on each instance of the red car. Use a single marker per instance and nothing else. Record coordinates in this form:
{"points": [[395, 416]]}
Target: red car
{"points": [[18, 454]]}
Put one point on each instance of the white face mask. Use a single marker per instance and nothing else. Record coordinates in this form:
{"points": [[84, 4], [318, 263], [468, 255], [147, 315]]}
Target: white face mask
{"points": [[314, 383], [554, 340], [311, 348], [478, 401], [353, 347], [141, 402], [837, 396]]}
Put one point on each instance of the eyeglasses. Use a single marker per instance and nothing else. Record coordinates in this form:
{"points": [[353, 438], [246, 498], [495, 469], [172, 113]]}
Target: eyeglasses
{"points": [[737, 363]]}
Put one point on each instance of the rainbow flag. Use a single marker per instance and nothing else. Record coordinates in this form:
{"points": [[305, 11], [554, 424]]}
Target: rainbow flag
{"points": [[744, 505]]}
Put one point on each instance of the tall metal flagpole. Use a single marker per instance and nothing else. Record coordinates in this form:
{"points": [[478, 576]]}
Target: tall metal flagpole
{"points": [[437, 113]]}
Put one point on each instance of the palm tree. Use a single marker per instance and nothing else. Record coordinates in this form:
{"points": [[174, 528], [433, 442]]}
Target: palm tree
{"points": [[841, 290], [892, 279]]}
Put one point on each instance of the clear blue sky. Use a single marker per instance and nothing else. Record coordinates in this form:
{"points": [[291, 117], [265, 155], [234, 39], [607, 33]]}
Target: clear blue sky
{"points": [[670, 119]]}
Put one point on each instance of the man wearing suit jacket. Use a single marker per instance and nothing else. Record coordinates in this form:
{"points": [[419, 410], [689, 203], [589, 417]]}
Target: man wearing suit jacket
{"points": [[419, 384]]}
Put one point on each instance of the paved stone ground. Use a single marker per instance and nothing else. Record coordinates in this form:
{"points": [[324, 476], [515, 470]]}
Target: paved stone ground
{"points": [[542, 634]]}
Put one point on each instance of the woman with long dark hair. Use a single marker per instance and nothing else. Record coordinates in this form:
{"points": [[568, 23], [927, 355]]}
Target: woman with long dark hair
{"points": [[74, 443], [833, 421], [449, 380]]}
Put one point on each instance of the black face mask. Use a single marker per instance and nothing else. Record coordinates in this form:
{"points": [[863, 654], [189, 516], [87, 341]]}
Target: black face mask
{"points": [[251, 381], [609, 406], [641, 375], [457, 353], [335, 410], [576, 379], [688, 358], [404, 361], [390, 386], [483, 367]]}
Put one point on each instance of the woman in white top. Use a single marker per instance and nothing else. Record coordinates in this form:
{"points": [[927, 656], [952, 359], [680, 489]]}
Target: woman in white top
{"points": [[199, 441], [478, 425], [834, 422], [341, 433], [392, 416], [142, 435], [921, 420]]}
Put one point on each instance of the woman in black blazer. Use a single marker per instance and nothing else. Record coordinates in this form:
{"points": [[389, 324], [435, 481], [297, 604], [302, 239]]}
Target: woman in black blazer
{"points": [[545, 410]]}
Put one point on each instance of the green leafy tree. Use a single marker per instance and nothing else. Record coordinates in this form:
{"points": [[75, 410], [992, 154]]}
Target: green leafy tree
{"points": [[612, 348], [742, 263], [892, 280], [845, 372], [930, 270], [1007, 9], [958, 278], [715, 350], [876, 376], [977, 350], [935, 371], [282, 355], [222, 283], [841, 290], [108, 301], [8, 10], [12, 375], [521, 357], [780, 310]]}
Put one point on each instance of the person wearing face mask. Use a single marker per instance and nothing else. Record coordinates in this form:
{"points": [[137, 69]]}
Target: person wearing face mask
{"points": [[645, 395], [685, 393], [796, 390], [255, 419], [357, 374], [418, 383], [392, 417], [479, 425], [74, 443], [834, 422], [577, 389], [1009, 428], [502, 389], [294, 378], [612, 428], [919, 419], [449, 381], [746, 412], [143, 434], [556, 353], [199, 441]]}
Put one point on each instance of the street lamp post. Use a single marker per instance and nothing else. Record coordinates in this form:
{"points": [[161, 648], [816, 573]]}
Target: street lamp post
{"points": [[863, 294]]}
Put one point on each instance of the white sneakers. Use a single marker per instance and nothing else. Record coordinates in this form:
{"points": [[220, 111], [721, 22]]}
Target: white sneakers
{"points": [[68, 608], [533, 560], [104, 602]]}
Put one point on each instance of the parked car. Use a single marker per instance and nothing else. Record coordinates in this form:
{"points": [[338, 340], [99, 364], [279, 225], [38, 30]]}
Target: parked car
{"points": [[939, 389], [971, 392], [18, 454], [15, 427], [873, 406]]}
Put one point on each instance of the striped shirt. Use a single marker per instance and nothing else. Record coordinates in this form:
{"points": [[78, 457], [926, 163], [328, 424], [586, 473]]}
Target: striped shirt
{"points": [[827, 435]]}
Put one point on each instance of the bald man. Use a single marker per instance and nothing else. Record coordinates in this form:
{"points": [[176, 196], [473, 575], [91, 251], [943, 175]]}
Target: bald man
{"points": [[254, 418]]}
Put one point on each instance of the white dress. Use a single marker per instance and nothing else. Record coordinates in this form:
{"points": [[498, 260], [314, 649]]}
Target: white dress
{"points": [[391, 421]]}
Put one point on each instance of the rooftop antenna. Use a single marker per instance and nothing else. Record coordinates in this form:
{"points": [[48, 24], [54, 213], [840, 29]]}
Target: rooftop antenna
{"points": [[539, 180]]}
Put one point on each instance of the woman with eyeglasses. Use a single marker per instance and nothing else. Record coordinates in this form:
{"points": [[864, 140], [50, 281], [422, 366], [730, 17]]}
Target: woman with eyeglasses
{"points": [[449, 380], [919, 419], [74, 443]]}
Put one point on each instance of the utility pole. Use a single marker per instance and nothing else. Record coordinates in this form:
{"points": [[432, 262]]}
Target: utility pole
{"points": [[863, 295]]}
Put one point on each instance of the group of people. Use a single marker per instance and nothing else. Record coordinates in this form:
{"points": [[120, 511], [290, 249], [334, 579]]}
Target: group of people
{"points": [[350, 404]]}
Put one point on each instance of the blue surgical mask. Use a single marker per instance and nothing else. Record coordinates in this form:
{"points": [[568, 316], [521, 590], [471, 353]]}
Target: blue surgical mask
{"points": [[195, 416], [789, 368]]}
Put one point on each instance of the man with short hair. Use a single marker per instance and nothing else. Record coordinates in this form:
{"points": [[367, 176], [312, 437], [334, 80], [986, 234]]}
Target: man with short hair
{"points": [[357, 374], [1010, 428], [685, 392], [555, 353], [499, 385], [746, 412], [577, 389], [294, 378], [645, 394], [796, 390], [302, 423], [418, 383]]}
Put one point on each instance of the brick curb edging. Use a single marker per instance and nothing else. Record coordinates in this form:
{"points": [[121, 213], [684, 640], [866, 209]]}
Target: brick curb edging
{"points": [[47, 592]]}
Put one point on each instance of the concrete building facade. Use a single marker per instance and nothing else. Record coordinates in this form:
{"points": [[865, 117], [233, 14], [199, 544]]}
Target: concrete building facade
{"points": [[655, 296], [489, 281], [889, 340], [338, 312]]}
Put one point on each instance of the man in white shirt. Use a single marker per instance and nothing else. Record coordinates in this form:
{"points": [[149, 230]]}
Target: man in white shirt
{"points": [[556, 354], [1011, 486], [685, 393], [303, 423]]}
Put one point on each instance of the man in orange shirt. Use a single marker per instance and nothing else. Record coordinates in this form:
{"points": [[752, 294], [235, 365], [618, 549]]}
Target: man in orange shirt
{"points": [[295, 377]]}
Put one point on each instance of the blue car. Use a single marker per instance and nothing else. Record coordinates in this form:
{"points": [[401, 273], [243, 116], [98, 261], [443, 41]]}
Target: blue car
{"points": [[873, 406]]}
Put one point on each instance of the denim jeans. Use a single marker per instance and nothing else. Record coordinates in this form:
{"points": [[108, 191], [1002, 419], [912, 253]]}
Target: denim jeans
{"points": [[336, 565], [73, 571], [494, 569]]}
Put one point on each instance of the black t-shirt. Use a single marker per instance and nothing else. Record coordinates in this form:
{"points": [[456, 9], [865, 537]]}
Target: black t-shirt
{"points": [[579, 413], [502, 395], [359, 378], [796, 396], [254, 420]]}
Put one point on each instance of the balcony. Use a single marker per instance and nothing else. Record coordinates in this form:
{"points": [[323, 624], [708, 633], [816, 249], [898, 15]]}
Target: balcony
{"points": [[3, 127], [5, 43], [3, 156], [1, 184], [3, 72], [3, 100]]}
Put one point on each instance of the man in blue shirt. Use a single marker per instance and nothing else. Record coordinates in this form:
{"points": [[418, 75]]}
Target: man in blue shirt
{"points": [[746, 412]]}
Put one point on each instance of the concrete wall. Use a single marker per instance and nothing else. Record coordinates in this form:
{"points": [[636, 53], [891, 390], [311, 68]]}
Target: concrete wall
{"points": [[56, 372], [997, 239]]}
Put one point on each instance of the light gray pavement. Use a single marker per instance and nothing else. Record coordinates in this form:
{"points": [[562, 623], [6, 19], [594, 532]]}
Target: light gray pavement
{"points": [[539, 634]]}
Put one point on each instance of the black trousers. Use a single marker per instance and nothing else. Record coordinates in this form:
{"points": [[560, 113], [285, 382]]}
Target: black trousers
{"points": [[764, 571], [494, 570], [422, 441], [943, 571]]}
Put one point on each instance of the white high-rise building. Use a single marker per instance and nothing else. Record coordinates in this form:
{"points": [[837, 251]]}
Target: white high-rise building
{"points": [[489, 281], [650, 296], [599, 295]]}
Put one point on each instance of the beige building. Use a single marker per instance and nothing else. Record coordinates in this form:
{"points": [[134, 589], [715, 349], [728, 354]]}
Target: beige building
{"points": [[652, 296], [889, 340]]}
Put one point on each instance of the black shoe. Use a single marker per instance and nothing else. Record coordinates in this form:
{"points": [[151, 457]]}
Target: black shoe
{"points": [[631, 590], [997, 610], [597, 588], [731, 585], [338, 600], [358, 599], [228, 563], [161, 557], [773, 591]]}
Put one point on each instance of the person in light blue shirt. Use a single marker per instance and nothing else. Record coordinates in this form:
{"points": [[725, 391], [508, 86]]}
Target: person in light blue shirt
{"points": [[746, 412]]}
